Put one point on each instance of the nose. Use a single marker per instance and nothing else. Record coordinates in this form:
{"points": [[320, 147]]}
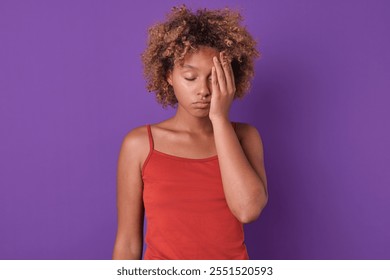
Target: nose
{"points": [[204, 90]]}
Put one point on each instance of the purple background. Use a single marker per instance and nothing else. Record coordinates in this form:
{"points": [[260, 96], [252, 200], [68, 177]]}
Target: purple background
{"points": [[71, 87]]}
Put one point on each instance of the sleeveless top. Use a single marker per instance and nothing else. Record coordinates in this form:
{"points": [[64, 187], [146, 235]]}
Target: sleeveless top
{"points": [[186, 211]]}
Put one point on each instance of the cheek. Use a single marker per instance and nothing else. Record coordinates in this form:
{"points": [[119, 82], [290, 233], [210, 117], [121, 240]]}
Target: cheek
{"points": [[183, 87]]}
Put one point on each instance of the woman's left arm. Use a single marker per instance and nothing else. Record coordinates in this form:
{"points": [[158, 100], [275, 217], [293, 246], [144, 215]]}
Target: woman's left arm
{"points": [[242, 169], [241, 160]]}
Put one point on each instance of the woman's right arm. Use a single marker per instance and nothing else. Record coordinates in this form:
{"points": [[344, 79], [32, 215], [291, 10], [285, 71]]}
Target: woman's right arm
{"points": [[129, 237]]}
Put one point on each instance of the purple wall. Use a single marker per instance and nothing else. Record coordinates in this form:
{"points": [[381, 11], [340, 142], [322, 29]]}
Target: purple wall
{"points": [[71, 87]]}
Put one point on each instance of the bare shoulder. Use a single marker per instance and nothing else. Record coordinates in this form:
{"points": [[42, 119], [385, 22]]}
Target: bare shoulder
{"points": [[247, 133], [137, 134], [135, 145]]}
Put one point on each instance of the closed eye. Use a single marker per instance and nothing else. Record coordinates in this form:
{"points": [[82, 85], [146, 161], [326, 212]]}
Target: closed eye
{"points": [[190, 79]]}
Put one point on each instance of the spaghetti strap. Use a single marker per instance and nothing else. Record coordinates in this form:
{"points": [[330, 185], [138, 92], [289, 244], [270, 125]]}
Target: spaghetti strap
{"points": [[151, 149], [151, 144]]}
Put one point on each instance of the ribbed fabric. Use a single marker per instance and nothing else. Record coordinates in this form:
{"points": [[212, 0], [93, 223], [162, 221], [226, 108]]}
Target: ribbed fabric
{"points": [[186, 210]]}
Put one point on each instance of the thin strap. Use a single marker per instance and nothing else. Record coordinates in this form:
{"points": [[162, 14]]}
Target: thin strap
{"points": [[151, 144], [151, 149]]}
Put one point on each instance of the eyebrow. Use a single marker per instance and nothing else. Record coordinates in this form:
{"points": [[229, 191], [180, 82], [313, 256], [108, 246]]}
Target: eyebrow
{"points": [[189, 66]]}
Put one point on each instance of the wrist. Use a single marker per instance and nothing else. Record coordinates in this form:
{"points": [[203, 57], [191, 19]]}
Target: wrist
{"points": [[216, 120]]}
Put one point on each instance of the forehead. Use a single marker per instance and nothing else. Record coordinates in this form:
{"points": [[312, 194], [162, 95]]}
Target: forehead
{"points": [[201, 59]]}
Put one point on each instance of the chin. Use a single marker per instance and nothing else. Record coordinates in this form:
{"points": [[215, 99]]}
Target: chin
{"points": [[201, 113]]}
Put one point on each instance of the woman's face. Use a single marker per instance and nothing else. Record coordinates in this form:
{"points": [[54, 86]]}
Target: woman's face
{"points": [[191, 81]]}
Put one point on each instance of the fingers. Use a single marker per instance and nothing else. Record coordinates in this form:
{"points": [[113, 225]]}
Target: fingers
{"points": [[228, 70], [233, 82], [220, 75], [224, 74], [214, 82]]}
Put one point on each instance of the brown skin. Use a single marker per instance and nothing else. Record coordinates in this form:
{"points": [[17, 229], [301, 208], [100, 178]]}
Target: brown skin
{"points": [[185, 30], [204, 88]]}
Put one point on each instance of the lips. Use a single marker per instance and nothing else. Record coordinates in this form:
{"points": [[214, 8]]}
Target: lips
{"points": [[201, 105]]}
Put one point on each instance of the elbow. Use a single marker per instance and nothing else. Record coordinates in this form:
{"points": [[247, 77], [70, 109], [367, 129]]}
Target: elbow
{"points": [[251, 214], [246, 219], [127, 250]]}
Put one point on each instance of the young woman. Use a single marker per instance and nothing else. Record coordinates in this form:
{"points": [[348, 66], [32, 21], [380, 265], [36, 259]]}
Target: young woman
{"points": [[196, 176]]}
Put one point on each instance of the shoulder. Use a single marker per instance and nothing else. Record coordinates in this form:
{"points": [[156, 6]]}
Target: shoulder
{"points": [[250, 140], [247, 133], [136, 138], [135, 144]]}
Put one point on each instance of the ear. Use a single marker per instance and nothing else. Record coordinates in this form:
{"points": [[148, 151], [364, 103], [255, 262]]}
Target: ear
{"points": [[169, 77]]}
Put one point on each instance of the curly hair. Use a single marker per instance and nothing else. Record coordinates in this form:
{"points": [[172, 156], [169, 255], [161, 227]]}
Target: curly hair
{"points": [[184, 32]]}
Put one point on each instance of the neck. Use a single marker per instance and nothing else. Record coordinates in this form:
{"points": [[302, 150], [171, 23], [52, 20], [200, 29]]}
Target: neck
{"points": [[186, 122]]}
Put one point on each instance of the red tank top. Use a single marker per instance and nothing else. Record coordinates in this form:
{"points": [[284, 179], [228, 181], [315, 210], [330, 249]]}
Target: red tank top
{"points": [[186, 210]]}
